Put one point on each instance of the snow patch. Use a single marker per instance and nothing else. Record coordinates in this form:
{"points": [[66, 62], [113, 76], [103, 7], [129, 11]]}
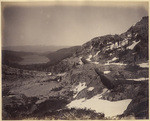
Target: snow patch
{"points": [[106, 72], [114, 59], [89, 58], [91, 47], [110, 54], [129, 35], [41, 100], [11, 95], [95, 62], [108, 48], [109, 43], [90, 88], [119, 64], [61, 74], [124, 42], [139, 79], [144, 65], [80, 62], [109, 62], [114, 46], [131, 47], [136, 34], [49, 73], [96, 53], [79, 88], [103, 92], [109, 108]]}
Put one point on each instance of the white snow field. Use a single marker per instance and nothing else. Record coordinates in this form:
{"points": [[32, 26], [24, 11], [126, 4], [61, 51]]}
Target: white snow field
{"points": [[109, 108]]}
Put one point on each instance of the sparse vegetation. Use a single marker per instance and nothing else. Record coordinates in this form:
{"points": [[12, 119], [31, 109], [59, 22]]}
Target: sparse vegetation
{"points": [[71, 114]]}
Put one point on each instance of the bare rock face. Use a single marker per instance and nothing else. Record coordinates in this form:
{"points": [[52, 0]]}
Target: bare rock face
{"points": [[139, 104], [106, 82]]}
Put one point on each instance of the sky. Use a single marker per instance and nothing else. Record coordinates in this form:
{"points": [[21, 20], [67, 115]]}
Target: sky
{"points": [[66, 24]]}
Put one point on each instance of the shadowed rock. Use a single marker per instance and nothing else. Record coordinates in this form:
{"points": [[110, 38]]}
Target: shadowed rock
{"points": [[106, 82], [84, 60]]}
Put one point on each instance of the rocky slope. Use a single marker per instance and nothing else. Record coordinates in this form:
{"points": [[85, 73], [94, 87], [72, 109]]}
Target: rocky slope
{"points": [[131, 46], [123, 59], [107, 77]]}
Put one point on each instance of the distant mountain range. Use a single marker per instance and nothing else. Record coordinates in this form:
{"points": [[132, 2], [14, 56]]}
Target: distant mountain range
{"points": [[13, 58], [130, 47], [34, 48]]}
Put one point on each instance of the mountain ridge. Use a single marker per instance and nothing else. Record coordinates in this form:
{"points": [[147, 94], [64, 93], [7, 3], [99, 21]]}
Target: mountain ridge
{"points": [[34, 48], [128, 47]]}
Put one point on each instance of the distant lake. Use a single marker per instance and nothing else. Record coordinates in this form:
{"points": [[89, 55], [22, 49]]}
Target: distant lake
{"points": [[33, 59]]}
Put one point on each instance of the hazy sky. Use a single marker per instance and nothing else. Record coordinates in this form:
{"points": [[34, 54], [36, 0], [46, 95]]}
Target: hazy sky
{"points": [[63, 24]]}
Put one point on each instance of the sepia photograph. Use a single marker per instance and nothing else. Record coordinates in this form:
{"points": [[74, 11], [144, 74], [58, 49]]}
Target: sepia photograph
{"points": [[75, 60]]}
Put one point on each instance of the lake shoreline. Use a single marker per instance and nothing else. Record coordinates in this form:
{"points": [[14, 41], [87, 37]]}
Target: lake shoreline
{"points": [[33, 59]]}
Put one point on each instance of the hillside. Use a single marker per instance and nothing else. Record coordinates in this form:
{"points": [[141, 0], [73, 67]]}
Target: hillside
{"points": [[128, 47], [13, 57], [107, 78], [61, 54]]}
